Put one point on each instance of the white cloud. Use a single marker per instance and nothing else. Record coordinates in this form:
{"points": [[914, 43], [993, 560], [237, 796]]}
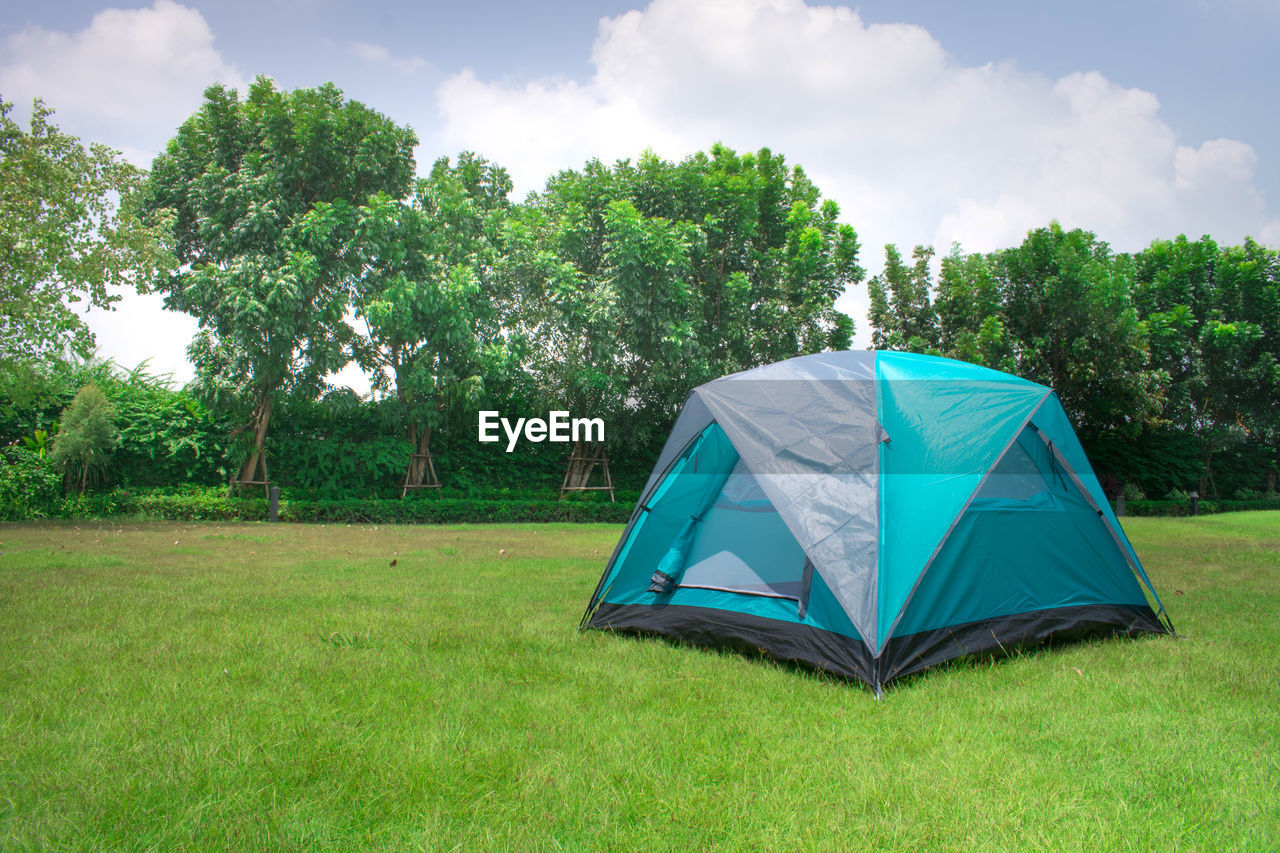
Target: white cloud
{"points": [[376, 54], [146, 67], [140, 329], [916, 147]]}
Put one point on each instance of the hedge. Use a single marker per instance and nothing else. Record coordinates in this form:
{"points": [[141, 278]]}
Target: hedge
{"points": [[30, 492], [214, 505], [1206, 507]]}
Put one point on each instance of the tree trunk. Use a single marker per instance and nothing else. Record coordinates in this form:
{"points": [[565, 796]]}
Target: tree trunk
{"points": [[581, 463], [257, 457], [1206, 478], [583, 460]]}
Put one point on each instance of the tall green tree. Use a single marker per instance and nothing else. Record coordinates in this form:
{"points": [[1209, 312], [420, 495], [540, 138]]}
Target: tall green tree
{"points": [[1212, 319], [264, 194], [69, 237], [903, 316], [649, 277], [1248, 279], [427, 296], [1067, 306], [86, 436], [969, 309]]}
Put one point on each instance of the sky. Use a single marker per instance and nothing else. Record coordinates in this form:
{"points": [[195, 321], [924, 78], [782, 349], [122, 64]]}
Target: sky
{"points": [[928, 121]]}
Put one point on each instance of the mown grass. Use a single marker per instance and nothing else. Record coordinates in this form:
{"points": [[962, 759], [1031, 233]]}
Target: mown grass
{"points": [[208, 686]]}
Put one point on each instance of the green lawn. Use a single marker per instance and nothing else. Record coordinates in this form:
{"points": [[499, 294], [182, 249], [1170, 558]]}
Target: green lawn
{"points": [[210, 686]]}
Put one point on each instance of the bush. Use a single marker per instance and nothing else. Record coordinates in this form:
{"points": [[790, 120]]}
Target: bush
{"points": [[86, 437], [212, 504], [453, 511], [195, 505], [1183, 507], [30, 486]]}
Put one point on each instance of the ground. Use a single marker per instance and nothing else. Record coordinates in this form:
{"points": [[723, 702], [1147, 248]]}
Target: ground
{"points": [[292, 687]]}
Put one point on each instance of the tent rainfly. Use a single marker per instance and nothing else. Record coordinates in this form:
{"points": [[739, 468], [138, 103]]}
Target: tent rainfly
{"points": [[872, 514]]}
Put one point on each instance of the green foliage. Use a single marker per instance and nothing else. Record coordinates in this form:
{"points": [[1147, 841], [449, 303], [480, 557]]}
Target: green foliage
{"points": [[636, 282], [212, 504], [1067, 303], [902, 312], [1157, 460], [427, 296], [1168, 361], [454, 511], [41, 440], [971, 325], [264, 194], [68, 236], [166, 436], [1181, 506], [30, 485], [87, 436], [339, 447], [1212, 315], [612, 292], [1057, 310]]}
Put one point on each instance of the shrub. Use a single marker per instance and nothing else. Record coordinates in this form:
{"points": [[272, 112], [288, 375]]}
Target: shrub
{"points": [[30, 485], [212, 504], [86, 436], [1183, 507]]}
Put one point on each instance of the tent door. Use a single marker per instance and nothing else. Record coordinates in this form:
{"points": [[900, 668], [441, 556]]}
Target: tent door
{"points": [[742, 546]]}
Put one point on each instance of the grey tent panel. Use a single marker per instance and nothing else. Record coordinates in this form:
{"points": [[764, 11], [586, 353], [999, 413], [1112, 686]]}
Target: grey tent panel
{"points": [[813, 447]]}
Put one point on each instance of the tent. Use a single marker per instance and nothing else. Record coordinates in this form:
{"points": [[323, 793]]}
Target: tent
{"points": [[872, 514]]}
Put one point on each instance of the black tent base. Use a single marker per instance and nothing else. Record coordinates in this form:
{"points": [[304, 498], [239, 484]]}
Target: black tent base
{"points": [[902, 656], [741, 632]]}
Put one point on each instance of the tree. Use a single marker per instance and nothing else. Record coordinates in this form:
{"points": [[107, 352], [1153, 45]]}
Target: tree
{"points": [[970, 324], [1248, 297], [644, 279], [1067, 308], [68, 236], [86, 436], [902, 312], [426, 295], [1212, 315], [264, 195]]}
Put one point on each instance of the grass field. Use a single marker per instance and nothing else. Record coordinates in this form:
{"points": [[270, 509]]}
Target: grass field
{"points": [[205, 686]]}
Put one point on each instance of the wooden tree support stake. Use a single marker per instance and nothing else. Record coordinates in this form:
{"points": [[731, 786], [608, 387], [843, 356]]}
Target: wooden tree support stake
{"points": [[429, 480], [264, 482], [582, 462]]}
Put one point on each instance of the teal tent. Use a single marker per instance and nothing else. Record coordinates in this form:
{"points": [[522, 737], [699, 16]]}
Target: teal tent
{"points": [[872, 514]]}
